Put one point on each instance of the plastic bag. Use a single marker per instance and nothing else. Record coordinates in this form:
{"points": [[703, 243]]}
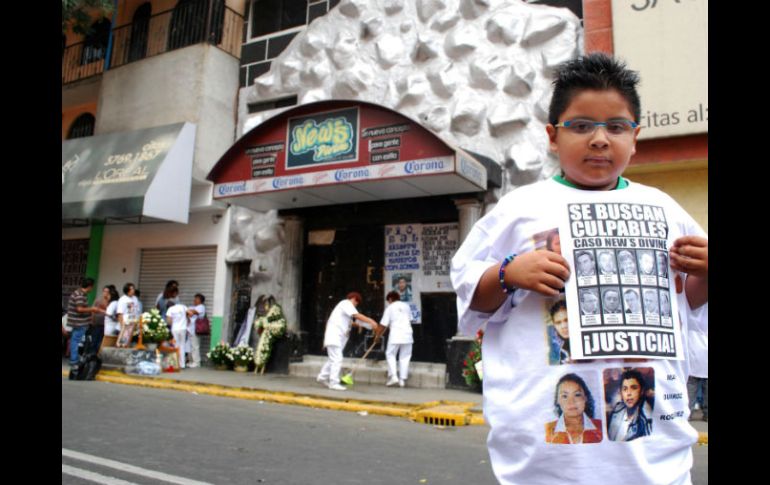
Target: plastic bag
{"points": [[143, 368]]}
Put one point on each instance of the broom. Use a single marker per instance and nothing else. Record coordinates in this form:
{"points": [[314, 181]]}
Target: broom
{"points": [[347, 379]]}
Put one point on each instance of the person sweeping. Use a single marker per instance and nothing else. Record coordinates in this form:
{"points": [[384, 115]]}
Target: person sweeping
{"points": [[336, 335], [397, 318]]}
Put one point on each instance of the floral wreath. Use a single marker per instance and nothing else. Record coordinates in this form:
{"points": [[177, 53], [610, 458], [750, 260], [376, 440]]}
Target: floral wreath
{"points": [[270, 326]]}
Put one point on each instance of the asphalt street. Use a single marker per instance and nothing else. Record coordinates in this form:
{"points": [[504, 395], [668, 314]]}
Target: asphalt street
{"points": [[219, 440], [117, 434]]}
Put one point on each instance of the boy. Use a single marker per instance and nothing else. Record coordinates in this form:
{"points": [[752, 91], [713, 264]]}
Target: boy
{"points": [[501, 280]]}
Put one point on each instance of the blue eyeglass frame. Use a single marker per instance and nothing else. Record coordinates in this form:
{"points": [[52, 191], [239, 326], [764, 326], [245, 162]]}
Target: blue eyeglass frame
{"points": [[565, 124]]}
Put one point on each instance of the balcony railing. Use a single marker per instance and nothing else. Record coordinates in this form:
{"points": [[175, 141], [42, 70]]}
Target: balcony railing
{"points": [[193, 23]]}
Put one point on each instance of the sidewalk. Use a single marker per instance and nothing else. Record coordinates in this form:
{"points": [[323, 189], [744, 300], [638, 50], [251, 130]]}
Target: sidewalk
{"points": [[431, 406]]}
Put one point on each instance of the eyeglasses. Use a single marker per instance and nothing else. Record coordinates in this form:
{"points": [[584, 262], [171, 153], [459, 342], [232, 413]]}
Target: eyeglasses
{"points": [[618, 127]]}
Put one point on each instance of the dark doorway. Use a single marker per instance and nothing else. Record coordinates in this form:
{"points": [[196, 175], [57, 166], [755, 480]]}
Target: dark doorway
{"points": [[439, 323], [352, 262]]}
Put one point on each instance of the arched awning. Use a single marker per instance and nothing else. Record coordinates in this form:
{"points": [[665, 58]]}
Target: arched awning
{"points": [[144, 174], [338, 152]]}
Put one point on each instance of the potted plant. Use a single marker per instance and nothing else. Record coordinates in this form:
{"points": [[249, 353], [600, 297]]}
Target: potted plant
{"points": [[219, 355], [241, 356], [472, 372], [154, 329]]}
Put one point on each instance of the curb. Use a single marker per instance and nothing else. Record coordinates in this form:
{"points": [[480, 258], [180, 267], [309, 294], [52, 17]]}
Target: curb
{"points": [[450, 413], [461, 412]]}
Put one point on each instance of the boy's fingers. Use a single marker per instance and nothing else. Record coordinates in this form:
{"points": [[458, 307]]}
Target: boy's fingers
{"points": [[545, 290], [692, 241], [557, 258], [553, 281], [559, 271]]}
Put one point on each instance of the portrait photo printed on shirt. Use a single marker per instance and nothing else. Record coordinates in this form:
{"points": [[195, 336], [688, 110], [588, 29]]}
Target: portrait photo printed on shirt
{"points": [[630, 402], [623, 309], [577, 410], [557, 330]]}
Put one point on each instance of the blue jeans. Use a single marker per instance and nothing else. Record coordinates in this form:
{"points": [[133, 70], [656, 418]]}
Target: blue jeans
{"points": [[77, 336]]}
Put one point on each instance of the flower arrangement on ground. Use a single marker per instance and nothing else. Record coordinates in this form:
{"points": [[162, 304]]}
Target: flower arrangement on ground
{"points": [[470, 372], [219, 355], [269, 326], [154, 329], [241, 355]]}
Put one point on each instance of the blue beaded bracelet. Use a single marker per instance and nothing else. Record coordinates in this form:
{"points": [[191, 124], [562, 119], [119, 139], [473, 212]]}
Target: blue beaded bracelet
{"points": [[505, 262]]}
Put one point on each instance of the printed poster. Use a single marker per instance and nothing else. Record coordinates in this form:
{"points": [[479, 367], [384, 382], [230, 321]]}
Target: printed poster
{"points": [[417, 259], [621, 302]]}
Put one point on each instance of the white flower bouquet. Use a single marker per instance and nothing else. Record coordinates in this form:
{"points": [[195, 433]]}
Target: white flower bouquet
{"points": [[154, 329], [241, 355]]}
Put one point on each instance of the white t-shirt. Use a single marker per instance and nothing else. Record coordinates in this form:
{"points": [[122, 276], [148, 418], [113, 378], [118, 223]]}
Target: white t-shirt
{"points": [[338, 325], [128, 306], [698, 342], [111, 324], [398, 316], [519, 383], [201, 309], [178, 315]]}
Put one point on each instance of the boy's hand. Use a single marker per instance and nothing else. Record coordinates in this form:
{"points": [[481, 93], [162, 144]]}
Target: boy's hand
{"points": [[540, 271], [690, 254]]}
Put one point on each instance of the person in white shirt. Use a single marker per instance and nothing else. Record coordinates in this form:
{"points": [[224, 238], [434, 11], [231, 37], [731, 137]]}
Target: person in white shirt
{"points": [[111, 323], [128, 306], [336, 336], [198, 310], [176, 316], [397, 318]]}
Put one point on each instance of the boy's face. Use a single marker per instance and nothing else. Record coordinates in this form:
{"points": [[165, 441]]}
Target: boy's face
{"points": [[594, 161]]}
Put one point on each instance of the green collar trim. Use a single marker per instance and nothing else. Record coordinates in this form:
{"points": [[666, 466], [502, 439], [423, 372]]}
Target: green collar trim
{"points": [[622, 183]]}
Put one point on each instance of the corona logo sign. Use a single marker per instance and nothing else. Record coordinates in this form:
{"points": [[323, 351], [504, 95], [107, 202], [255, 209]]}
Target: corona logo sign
{"points": [[323, 138]]}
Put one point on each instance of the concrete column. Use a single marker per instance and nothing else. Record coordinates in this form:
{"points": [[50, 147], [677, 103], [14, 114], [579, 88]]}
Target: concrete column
{"points": [[470, 212], [292, 271]]}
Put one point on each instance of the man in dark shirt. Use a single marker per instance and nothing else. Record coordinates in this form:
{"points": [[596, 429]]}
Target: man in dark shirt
{"points": [[79, 316]]}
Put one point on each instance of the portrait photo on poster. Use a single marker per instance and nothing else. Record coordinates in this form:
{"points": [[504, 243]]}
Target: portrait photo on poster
{"points": [[576, 410], [608, 268], [585, 267], [662, 259], [630, 402], [611, 307], [589, 306], [651, 306], [627, 265], [402, 283]]}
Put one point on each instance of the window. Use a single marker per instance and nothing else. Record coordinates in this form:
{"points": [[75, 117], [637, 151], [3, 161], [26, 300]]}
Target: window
{"points": [[140, 27], [268, 16], [188, 23], [82, 126], [95, 45], [273, 104]]}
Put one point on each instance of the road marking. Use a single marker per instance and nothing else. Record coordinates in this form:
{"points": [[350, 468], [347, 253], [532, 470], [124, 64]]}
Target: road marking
{"points": [[92, 477], [129, 468]]}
